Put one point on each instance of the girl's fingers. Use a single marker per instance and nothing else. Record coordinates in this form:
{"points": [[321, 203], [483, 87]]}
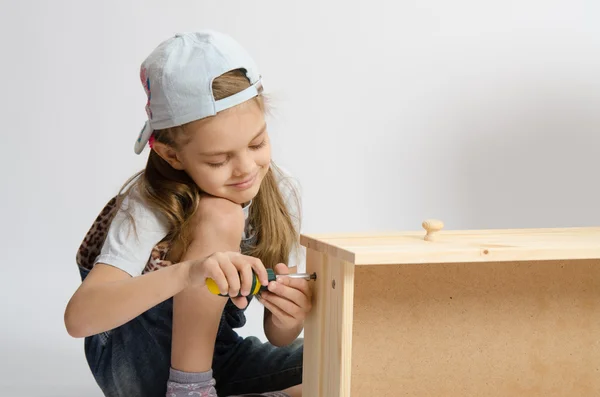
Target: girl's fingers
{"points": [[259, 269], [292, 290], [247, 276], [240, 301], [284, 305], [230, 271], [275, 310], [213, 270], [298, 285]]}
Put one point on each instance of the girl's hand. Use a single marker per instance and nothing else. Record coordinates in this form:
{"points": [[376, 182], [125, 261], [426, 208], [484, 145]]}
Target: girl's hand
{"points": [[288, 299], [231, 271]]}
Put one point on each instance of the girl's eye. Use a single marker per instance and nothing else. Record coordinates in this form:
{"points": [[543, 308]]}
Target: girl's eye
{"points": [[217, 165], [260, 145]]}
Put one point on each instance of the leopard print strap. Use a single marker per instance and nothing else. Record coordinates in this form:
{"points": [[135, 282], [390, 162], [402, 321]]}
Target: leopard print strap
{"points": [[91, 246]]}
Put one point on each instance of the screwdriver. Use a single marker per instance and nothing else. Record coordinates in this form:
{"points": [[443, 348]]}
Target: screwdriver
{"points": [[256, 285]]}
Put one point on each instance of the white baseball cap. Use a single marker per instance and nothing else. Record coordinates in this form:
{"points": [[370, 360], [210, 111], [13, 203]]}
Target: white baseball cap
{"points": [[178, 75]]}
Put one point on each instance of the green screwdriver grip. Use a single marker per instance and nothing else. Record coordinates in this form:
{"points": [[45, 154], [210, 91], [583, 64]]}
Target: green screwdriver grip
{"points": [[255, 289]]}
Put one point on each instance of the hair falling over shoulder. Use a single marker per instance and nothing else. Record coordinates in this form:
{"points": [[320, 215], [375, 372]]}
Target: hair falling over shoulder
{"points": [[175, 196]]}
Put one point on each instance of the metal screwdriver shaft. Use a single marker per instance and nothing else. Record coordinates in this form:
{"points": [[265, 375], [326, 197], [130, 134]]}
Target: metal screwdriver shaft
{"points": [[257, 286]]}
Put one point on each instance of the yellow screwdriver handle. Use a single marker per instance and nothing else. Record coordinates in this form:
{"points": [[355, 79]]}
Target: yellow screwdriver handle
{"points": [[256, 285], [212, 286]]}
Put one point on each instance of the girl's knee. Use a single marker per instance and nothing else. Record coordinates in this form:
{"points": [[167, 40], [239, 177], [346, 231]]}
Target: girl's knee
{"points": [[221, 216]]}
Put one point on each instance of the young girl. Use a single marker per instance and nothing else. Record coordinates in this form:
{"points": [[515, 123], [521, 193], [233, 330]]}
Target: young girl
{"points": [[209, 204]]}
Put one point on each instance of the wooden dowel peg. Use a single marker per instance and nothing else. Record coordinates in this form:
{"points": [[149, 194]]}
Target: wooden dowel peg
{"points": [[432, 226]]}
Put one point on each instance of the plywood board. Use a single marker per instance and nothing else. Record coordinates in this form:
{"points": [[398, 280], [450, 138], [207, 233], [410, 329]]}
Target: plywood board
{"points": [[477, 329], [460, 246], [328, 328], [314, 327]]}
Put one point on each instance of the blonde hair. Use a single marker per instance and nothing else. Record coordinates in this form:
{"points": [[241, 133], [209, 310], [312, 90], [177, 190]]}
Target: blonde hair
{"points": [[175, 196]]}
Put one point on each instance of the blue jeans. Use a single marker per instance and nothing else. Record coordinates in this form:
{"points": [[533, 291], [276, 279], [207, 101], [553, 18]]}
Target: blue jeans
{"points": [[133, 360]]}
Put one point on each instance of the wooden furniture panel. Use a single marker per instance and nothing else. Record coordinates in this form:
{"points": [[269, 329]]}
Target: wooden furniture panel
{"points": [[475, 313]]}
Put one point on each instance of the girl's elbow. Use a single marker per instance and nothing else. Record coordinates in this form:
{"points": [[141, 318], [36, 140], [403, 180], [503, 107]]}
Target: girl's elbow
{"points": [[75, 327]]}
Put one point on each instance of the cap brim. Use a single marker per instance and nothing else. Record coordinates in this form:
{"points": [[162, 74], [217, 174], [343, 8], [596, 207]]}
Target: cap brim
{"points": [[143, 138]]}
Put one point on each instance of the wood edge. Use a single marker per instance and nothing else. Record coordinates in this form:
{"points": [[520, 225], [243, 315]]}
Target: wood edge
{"points": [[312, 369], [326, 248], [497, 255], [453, 232]]}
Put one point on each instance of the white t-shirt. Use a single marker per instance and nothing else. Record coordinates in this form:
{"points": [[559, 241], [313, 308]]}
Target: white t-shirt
{"points": [[129, 249]]}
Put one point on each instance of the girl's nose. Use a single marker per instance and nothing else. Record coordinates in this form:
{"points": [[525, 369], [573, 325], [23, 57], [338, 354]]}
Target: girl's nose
{"points": [[244, 164]]}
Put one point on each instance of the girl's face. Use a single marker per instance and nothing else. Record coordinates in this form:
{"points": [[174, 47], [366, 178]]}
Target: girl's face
{"points": [[228, 155]]}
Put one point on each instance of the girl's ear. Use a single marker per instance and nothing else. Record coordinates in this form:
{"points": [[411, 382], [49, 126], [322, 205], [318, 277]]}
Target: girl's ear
{"points": [[168, 154]]}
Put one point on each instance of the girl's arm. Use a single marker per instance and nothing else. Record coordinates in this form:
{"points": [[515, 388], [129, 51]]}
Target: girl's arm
{"points": [[287, 303], [280, 336], [277, 334], [110, 297]]}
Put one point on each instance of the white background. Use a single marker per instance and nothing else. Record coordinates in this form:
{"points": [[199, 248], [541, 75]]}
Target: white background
{"points": [[485, 114]]}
